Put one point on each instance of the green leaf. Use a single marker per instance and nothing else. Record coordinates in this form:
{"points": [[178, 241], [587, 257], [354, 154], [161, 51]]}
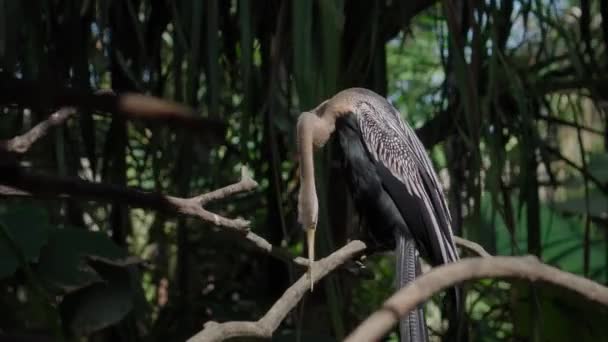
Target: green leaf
{"points": [[213, 56], [63, 265], [100, 305], [562, 315], [302, 14], [598, 166], [598, 205], [28, 227]]}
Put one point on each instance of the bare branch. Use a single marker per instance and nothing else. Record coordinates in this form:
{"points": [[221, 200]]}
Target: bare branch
{"points": [[580, 169], [17, 181], [471, 245], [46, 93], [246, 182], [266, 326], [442, 277], [556, 120], [22, 143]]}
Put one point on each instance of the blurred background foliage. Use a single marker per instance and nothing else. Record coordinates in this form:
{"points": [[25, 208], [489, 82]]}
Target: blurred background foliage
{"points": [[510, 98]]}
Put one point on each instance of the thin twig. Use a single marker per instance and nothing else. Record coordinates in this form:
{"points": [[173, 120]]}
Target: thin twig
{"points": [[22, 143], [580, 169], [563, 122], [445, 276], [227, 191], [265, 327], [473, 246]]}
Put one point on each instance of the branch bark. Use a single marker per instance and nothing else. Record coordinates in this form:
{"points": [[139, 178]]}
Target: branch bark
{"points": [[18, 182], [472, 246], [265, 327], [42, 95], [442, 277], [22, 143]]}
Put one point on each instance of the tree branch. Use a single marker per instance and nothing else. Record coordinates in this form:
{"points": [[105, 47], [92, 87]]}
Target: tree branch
{"points": [[472, 246], [22, 143], [41, 95], [582, 170], [442, 277], [266, 326], [562, 122], [19, 182]]}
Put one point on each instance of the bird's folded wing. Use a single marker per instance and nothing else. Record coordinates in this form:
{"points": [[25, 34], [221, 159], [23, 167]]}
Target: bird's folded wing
{"points": [[409, 178]]}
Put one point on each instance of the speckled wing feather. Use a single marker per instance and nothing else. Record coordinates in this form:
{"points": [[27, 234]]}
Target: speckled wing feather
{"points": [[408, 176]]}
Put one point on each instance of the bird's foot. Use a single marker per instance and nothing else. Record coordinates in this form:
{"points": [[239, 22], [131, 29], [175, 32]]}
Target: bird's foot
{"points": [[358, 268]]}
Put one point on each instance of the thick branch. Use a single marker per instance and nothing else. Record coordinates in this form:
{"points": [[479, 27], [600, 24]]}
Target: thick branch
{"points": [[22, 143], [265, 327], [442, 277], [40, 185], [42, 95]]}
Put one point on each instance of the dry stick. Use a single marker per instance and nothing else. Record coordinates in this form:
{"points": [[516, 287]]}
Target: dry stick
{"points": [[442, 277], [18, 182], [22, 143], [265, 327]]}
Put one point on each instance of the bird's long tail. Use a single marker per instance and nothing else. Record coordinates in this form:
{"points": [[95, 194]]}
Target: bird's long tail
{"points": [[413, 326]]}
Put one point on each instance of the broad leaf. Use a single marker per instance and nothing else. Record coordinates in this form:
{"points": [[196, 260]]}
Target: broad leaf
{"points": [[99, 305], [63, 265], [28, 228]]}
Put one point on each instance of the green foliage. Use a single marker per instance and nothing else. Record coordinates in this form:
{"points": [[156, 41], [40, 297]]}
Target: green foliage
{"points": [[64, 262], [553, 307], [90, 273], [99, 305], [28, 228]]}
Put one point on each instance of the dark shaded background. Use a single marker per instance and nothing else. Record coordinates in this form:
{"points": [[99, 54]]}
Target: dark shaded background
{"points": [[509, 97]]}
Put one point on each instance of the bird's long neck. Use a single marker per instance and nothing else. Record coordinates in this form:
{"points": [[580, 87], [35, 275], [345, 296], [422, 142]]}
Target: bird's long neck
{"points": [[306, 131], [313, 133]]}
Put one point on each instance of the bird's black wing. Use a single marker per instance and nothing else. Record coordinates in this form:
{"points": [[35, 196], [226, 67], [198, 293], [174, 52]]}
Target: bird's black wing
{"points": [[409, 178]]}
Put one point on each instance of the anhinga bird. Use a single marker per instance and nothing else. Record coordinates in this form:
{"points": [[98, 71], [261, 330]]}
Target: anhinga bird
{"points": [[395, 189]]}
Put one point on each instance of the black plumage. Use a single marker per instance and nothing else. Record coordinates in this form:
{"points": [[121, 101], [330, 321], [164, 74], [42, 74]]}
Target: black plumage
{"points": [[384, 223]]}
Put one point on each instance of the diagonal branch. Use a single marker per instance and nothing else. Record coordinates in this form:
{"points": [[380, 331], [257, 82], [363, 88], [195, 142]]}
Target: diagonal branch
{"points": [[584, 171], [46, 93], [17, 181], [227, 191], [265, 327], [442, 277], [472, 246], [22, 143]]}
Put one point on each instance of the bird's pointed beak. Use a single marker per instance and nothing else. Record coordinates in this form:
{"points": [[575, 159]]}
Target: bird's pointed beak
{"points": [[310, 239]]}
